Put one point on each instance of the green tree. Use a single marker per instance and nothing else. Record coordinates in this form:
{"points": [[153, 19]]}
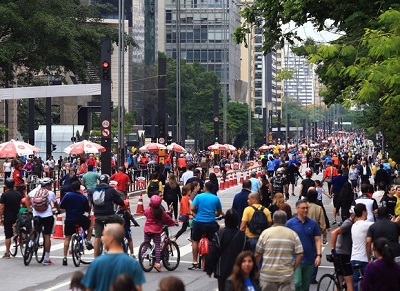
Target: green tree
{"points": [[50, 37]]}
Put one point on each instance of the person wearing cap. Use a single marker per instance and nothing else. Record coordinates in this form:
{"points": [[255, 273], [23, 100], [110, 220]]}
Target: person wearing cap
{"points": [[341, 244], [46, 218], [9, 207], [105, 213], [196, 177]]}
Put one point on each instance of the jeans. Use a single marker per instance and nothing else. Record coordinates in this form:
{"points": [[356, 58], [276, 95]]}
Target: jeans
{"points": [[303, 277], [356, 274]]}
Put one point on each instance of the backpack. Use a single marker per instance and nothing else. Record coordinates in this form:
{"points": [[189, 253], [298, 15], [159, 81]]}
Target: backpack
{"points": [[40, 201], [98, 197], [153, 188], [24, 221], [258, 221], [277, 184]]}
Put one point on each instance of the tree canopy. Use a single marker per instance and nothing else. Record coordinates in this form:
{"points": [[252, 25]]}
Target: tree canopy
{"points": [[51, 37]]}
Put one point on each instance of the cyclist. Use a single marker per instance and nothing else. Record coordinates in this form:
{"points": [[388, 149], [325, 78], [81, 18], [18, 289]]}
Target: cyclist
{"points": [[75, 205], [104, 208], [341, 243], [44, 218], [205, 206], [9, 206], [156, 217]]}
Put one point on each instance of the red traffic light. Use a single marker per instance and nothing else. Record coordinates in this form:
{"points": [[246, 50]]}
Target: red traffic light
{"points": [[106, 64]]}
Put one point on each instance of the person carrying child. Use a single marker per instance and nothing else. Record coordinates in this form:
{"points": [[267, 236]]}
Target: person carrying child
{"points": [[156, 217], [127, 216]]}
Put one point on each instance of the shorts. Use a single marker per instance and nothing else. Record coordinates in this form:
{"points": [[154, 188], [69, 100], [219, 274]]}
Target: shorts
{"points": [[70, 227], [8, 227], [46, 222], [128, 234], [208, 228], [290, 180], [343, 265], [101, 220], [336, 200]]}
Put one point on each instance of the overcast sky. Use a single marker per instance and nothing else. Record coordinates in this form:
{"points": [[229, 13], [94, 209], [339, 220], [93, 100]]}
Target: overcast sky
{"points": [[308, 30]]}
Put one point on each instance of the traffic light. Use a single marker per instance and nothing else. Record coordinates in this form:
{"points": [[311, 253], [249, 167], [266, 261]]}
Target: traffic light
{"points": [[153, 139], [53, 147], [216, 138], [106, 70]]}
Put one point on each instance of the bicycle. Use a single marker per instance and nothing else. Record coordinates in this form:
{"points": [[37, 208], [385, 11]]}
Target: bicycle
{"points": [[35, 244], [22, 234], [78, 247], [170, 253], [330, 282]]}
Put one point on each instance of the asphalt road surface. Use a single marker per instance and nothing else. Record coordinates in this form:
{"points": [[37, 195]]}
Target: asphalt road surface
{"points": [[16, 276]]}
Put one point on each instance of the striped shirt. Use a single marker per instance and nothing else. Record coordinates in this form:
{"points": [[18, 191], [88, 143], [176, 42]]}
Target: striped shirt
{"points": [[278, 245]]}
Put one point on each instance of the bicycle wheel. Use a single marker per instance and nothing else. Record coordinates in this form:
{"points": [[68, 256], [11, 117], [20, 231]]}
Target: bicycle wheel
{"points": [[14, 245], [146, 256], [328, 283], [39, 251], [171, 255], [22, 238], [76, 250], [28, 253]]}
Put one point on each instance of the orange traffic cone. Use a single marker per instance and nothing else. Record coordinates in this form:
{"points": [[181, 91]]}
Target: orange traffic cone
{"points": [[230, 181], [221, 184], [235, 179], [58, 228], [139, 208], [241, 178]]}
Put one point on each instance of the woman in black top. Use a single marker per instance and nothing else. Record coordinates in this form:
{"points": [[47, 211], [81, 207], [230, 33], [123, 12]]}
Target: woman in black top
{"points": [[214, 181], [264, 193], [172, 193]]}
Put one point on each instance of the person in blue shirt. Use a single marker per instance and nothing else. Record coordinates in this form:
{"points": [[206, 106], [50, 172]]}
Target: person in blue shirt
{"points": [[310, 236], [205, 206], [75, 205], [103, 271], [255, 182]]}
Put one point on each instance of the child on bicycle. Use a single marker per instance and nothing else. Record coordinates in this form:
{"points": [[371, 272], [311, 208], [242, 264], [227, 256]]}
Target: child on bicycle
{"points": [[156, 217], [125, 212], [184, 210]]}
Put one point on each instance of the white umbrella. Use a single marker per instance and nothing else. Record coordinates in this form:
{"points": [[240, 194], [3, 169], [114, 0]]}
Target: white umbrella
{"points": [[152, 147], [230, 147], [217, 146], [13, 148], [176, 148], [84, 146], [264, 147]]}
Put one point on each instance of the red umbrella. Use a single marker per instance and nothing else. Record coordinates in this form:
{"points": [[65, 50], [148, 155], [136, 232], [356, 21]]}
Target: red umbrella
{"points": [[84, 146], [230, 147], [152, 147], [13, 148], [176, 148], [217, 146]]}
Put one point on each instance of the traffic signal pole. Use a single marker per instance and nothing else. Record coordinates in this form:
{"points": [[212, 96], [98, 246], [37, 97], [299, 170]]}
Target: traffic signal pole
{"points": [[105, 114]]}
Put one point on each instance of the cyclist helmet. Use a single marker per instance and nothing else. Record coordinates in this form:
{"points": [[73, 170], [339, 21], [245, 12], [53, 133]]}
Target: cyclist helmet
{"points": [[46, 181], [155, 201], [9, 183], [308, 172], [279, 171], [104, 179]]}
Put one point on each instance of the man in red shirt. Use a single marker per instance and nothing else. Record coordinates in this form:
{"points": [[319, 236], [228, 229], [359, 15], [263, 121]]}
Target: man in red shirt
{"points": [[92, 161], [18, 179], [123, 180]]}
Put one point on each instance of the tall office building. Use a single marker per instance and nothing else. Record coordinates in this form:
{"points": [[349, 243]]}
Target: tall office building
{"points": [[205, 29], [300, 88]]}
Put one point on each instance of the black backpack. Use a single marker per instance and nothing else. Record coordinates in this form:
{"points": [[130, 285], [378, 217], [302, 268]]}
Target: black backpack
{"points": [[259, 221], [153, 188]]}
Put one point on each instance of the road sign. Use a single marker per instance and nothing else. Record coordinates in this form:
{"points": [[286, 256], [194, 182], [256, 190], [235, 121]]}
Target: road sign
{"points": [[105, 132], [105, 123], [161, 140]]}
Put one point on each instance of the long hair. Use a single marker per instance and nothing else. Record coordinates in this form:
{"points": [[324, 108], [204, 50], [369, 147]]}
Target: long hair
{"points": [[264, 180], [237, 276], [278, 199], [213, 178], [172, 181], [381, 246]]}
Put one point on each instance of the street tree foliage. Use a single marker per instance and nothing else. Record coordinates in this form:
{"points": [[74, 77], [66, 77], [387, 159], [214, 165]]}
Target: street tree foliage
{"points": [[197, 87], [50, 37]]}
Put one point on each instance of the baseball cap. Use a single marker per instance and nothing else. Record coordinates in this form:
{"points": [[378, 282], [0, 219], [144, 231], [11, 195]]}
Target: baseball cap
{"points": [[196, 171]]}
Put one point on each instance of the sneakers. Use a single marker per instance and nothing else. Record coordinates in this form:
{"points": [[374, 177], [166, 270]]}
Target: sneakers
{"points": [[194, 266], [65, 262], [6, 256], [333, 222], [89, 246], [157, 267], [48, 263]]}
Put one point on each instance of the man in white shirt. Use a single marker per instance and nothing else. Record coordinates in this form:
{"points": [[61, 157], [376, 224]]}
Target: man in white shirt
{"points": [[188, 174], [359, 235], [370, 203]]}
